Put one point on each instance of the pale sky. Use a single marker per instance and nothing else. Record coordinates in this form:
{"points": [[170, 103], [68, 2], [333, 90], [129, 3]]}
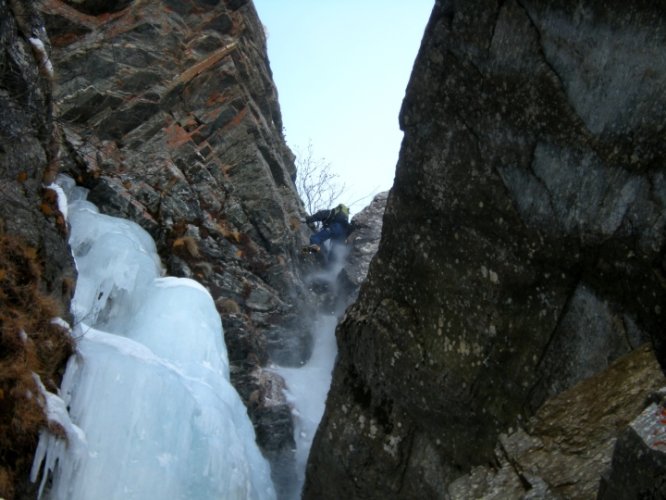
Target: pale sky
{"points": [[341, 68]]}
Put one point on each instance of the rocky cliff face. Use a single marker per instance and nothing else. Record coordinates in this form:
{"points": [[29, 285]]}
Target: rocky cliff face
{"points": [[523, 244], [167, 112], [36, 270]]}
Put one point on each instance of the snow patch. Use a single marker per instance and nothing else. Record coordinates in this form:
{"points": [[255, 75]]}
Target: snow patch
{"points": [[61, 198], [42, 56], [62, 324]]}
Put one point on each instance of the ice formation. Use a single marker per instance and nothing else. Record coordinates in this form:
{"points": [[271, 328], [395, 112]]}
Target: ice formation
{"points": [[308, 385], [153, 414], [307, 388]]}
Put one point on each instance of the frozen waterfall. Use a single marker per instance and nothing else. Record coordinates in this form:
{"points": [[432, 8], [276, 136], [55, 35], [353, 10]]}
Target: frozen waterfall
{"points": [[151, 413], [308, 385], [307, 388]]}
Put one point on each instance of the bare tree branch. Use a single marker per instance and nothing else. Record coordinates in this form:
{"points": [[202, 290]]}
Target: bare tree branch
{"points": [[317, 184]]}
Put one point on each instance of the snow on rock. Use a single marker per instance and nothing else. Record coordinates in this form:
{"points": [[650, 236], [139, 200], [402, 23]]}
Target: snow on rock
{"points": [[149, 386], [41, 55], [62, 324], [307, 387], [61, 197]]}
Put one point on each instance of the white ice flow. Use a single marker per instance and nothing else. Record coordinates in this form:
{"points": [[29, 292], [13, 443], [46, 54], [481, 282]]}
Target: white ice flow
{"points": [[307, 388], [153, 414], [308, 385]]}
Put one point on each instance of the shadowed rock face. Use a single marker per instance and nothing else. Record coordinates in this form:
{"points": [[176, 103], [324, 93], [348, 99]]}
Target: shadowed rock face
{"points": [[638, 469], [96, 7], [523, 241], [36, 268], [566, 448]]}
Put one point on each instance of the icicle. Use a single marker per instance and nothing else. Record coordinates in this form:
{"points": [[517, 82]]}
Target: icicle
{"points": [[51, 448]]}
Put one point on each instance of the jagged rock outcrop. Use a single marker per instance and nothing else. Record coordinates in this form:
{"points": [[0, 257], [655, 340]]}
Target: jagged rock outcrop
{"points": [[363, 244], [638, 469], [523, 241], [565, 449], [36, 269]]}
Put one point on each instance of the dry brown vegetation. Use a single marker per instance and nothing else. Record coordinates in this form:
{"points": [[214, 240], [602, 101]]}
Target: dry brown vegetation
{"points": [[29, 343], [186, 245]]}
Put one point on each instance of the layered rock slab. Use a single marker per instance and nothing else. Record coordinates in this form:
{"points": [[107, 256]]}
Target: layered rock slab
{"points": [[566, 449], [523, 240]]}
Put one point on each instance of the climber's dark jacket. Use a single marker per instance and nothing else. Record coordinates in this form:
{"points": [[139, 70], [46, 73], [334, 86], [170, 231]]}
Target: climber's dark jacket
{"points": [[328, 217], [335, 224]]}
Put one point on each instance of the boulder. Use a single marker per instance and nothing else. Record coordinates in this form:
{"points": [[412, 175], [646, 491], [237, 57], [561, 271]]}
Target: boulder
{"points": [[565, 449], [638, 468]]}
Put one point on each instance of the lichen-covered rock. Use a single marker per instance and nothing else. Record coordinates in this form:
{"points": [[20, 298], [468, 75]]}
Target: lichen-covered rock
{"points": [[564, 450], [523, 241]]}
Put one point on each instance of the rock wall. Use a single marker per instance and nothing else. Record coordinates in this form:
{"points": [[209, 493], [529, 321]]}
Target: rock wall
{"points": [[523, 241], [638, 468], [36, 269]]}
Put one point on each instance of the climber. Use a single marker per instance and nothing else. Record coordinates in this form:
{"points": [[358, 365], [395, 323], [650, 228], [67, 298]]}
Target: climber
{"points": [[335, 226]]}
